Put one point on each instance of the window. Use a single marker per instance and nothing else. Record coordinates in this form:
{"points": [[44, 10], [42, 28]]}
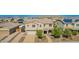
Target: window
{"points": [[50, 25], [37, 25], [72, 24], [66, 24], [33, 25], [77, 24], [27, 25], [44, 25], [1, 27], [40, 25]]}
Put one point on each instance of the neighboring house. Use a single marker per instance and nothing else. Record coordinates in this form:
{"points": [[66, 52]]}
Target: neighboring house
{"points": [[76, 20], [22, 28], [8, 27], [38, 24], [20, 20], [65, 23], [8, 19], [76, 24], [68, 23], [59, 23]]}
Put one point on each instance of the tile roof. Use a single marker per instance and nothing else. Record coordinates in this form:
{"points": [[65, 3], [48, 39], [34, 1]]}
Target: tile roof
{"points": [[43, 21]]}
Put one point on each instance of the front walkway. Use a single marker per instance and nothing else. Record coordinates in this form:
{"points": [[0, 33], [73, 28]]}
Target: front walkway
{"points": [[48, 38]]}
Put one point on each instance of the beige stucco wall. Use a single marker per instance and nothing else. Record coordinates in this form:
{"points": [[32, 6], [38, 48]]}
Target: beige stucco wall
{"points": [[75, 25], [69, 26], [37, 26], [29, 26], [47, 26]]}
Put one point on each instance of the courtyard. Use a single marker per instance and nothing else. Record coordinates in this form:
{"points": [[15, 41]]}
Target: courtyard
{"points": [[22, 37]]}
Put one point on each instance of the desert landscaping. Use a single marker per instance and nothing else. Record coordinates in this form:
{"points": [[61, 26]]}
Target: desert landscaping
{"points": [[40, 29]]}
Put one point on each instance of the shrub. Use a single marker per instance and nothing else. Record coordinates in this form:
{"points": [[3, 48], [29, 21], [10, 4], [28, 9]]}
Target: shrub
{"points": [[74, 33], [67, 33], [39, 33]]}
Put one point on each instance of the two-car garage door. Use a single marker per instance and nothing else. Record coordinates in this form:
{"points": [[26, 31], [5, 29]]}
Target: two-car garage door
{"points": [[31, 32]]}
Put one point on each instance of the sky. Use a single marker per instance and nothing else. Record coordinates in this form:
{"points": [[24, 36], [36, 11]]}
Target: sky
{"points": [[2, 16]]}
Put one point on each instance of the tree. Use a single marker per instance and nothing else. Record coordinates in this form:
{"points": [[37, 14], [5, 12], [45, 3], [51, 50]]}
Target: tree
{"points": [[2, 20], [56, 32], [39, 33], [12, 19], [6, 20]]}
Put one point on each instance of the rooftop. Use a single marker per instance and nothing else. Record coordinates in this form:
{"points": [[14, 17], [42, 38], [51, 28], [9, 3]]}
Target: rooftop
{"points": [[8, 25], [43, 21], [76, 20], [67, 20]]}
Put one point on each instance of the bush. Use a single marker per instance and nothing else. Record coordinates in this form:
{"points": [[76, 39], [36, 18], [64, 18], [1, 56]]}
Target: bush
{"points": [[39, 33], [74, 33], [67, 33]]}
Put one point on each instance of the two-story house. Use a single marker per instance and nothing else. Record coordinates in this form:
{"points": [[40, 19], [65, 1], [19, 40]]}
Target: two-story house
{"points": [[38, 24], [65, 23]]}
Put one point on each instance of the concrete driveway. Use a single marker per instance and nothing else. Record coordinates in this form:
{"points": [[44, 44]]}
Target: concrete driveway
{"points": [[18, 37], [29, 38]]}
